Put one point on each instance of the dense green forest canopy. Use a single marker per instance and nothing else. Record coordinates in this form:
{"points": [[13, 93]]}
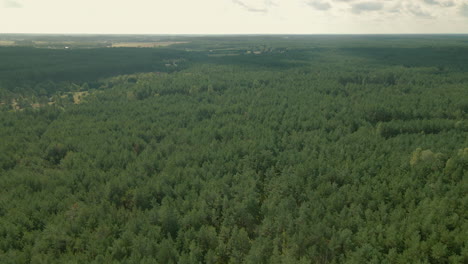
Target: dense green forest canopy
{"points": [[234, 149]]}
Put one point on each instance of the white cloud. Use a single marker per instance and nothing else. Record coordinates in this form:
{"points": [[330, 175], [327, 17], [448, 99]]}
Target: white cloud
{"points": [[256, 6], [449, 3], [319, 4], [431, 2], [250, 8], [12, 4], [366, 7], [234, 16], [416, 11], [464, 10]]}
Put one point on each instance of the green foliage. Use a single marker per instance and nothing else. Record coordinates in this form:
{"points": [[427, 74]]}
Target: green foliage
{"points": [[293, 155]]}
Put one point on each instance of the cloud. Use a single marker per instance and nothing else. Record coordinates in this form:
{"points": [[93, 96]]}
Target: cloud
{"points": [[253, 9], [366, 7], [12, 4], [464, 10], [428, 9], [449, 3], [418, 12], [319, 5], [270, 3], [431, 2], [395, 9]]}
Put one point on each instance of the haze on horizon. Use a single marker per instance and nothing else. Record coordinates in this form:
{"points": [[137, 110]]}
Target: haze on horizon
{"points": [[234, 16]]}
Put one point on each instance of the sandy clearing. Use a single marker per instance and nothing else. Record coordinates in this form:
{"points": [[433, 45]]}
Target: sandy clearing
{"points": [[78, 96], [7, 43]]}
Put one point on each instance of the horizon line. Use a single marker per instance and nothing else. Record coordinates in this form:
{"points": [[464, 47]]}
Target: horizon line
{"points": [[235, 34]]}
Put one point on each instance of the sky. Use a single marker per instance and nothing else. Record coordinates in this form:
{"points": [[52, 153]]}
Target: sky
{"points": [[234, 16]]}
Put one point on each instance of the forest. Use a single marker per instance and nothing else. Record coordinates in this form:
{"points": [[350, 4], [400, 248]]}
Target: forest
{"points": [[234, 149]]}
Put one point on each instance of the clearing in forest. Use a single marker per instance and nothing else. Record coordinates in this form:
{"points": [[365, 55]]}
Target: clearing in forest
{"points": [[7, 43], [77, 96]]}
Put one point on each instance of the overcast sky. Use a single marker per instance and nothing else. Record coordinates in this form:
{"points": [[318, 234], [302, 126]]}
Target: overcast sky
{"points": [[234, 16]]}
